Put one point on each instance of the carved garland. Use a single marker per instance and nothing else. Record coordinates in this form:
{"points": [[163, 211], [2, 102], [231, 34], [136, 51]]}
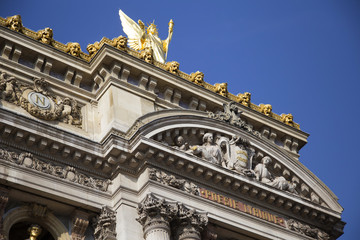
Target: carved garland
{"points": [[69, 173], [38, 101]]}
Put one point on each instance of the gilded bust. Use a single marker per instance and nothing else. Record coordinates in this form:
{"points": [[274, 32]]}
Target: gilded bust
{"points": [[74, 49], [266, 109], [14, 23], [221, 88], [45, 35], [197, 78], [173, 67]]}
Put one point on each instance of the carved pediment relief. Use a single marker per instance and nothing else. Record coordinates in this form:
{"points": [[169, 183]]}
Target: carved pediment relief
{"points": [[240, 155], [39, 101]]}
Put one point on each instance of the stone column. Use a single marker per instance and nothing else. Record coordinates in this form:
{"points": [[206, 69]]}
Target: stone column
{"points": [[190, 223], [155, 216]]}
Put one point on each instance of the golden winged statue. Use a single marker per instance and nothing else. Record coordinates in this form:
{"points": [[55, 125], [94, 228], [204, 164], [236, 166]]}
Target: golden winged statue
{"points": [[141, 37]]}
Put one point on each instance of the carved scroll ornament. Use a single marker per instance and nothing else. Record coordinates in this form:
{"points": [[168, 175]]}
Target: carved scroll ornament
{"points": [[38, 101]]}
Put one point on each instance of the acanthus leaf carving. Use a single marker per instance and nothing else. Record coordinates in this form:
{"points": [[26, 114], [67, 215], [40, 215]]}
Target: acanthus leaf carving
{"points": [[105, 224]]}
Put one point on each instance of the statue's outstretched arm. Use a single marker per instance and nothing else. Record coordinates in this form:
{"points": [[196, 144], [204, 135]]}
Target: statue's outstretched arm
{"points": [[166, 42]]}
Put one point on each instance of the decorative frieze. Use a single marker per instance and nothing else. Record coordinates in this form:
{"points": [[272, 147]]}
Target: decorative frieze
{"points": [[105, 225], [235, 155], [172, 181], [39, 101], [307, 230], [65, 172]]}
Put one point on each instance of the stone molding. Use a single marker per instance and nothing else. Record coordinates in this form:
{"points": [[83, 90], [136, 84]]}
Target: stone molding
{"points": [[27, 160]]}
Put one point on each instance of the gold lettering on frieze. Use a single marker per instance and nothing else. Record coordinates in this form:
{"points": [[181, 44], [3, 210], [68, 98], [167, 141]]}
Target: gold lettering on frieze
{"points": [[242, 207]]}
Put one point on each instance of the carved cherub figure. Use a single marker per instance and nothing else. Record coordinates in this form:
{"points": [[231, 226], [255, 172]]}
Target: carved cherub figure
{"points": [[45, 35], [173, 67], [244, 98], [34, 231], [197, 78], [287, 119], [67, 111], [221, 88], [74, 49], [147, 55], [8, 88], [181, 144], [14, 23], [266, 109], [93, 48]]}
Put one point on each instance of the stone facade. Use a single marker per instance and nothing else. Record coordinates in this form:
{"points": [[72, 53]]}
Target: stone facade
{"points": [[111, 145]]}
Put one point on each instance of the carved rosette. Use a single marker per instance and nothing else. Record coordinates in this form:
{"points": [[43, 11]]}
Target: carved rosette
{"points": [[105, 225]]}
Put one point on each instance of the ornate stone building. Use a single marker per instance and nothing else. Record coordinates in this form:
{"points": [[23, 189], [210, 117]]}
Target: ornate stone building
{"points": [[116, 145]]}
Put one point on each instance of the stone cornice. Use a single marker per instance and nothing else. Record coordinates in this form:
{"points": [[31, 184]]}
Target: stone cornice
{"points": [[107, 55]]}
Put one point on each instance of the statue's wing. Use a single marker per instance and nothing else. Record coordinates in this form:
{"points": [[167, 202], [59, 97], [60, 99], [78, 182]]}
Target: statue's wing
{"points": [[132, 30]]}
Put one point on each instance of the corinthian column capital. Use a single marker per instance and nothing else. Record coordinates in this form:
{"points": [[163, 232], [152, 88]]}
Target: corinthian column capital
{"points": [[190, 223], [155, 215]]}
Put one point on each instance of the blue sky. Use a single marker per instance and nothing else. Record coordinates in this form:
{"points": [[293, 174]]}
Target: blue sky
{"points": [[302, 57]]}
